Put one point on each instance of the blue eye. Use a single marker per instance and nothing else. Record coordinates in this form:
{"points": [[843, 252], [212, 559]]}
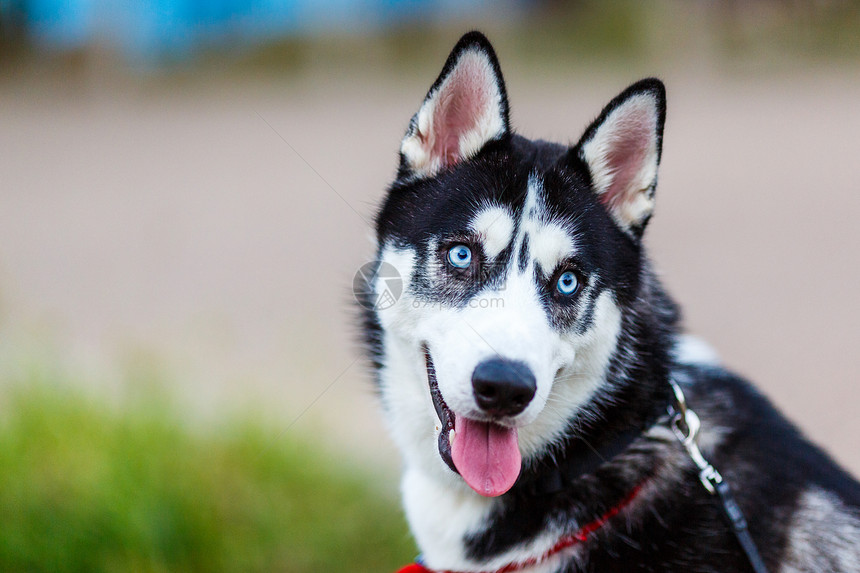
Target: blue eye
{"points": [[460, 256], [567, 283]]}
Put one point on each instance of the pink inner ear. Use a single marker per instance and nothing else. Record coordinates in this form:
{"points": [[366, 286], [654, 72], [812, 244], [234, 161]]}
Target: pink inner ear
{"points": [[630, 142], [463, 102]]}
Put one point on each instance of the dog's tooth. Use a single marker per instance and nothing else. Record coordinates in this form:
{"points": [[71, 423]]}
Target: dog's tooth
{"points": [[451, 436]]}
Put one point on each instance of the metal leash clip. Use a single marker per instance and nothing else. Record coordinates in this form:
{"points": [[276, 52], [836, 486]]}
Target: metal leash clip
{"points": [[686, 426]]}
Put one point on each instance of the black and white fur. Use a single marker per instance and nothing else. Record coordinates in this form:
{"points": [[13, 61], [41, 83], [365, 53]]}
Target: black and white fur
{"points": [[600, 359]]}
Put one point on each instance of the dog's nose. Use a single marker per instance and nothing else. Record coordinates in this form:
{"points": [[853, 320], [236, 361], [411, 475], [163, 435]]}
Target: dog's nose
{"points": [[503, 387]]}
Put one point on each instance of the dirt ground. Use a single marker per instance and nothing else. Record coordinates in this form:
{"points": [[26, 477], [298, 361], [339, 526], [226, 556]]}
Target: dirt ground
{"points": [[214, 230]]}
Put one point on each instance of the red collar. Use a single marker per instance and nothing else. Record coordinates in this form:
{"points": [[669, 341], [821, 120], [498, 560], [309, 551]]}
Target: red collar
{"points": [[567, 541]]}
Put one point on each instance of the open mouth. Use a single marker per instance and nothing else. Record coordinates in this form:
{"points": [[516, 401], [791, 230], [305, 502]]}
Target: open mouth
{"points": [[484, 453]]}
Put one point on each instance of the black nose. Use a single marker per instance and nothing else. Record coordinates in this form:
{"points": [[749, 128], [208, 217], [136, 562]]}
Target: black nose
{"points": [[503, 387]]}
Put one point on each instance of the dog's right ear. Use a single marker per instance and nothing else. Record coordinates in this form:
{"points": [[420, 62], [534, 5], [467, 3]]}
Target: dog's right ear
{"points": [[466, 108], [622, 151]]}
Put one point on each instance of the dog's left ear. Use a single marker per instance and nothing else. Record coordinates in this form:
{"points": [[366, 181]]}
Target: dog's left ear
{"points": [[621, 149], [466, 108]]}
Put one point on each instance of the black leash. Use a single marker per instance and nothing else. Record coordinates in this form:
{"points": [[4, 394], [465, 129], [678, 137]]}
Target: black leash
{"points": [[686, 425]]}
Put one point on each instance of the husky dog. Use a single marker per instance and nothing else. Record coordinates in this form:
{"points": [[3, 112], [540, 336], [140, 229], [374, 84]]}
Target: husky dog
{"points": [[526, 370]]}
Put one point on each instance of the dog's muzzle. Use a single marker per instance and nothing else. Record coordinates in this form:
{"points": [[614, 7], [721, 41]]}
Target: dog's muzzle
{"points": [[485, 452]]}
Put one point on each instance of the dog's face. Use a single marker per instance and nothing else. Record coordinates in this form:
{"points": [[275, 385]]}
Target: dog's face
{"points": [[519, 261]]}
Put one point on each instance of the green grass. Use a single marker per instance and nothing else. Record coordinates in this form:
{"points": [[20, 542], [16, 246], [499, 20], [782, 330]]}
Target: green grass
{"points": [[87, 487]]}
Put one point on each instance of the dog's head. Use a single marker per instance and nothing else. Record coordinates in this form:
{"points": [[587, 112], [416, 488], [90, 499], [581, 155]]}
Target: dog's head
{"points": [[520, 261]]}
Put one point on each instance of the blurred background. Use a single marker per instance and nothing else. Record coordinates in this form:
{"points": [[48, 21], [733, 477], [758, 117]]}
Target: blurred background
{"points": [[185, 190]]}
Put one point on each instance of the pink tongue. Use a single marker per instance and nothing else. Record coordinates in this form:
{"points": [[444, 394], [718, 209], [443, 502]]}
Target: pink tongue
{"points": [[487, 456]]}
